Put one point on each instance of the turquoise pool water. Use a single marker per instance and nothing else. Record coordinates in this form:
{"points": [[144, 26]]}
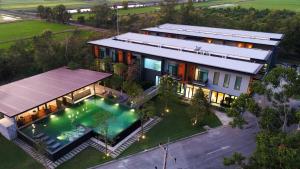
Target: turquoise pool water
{"points": [[66, 126]]}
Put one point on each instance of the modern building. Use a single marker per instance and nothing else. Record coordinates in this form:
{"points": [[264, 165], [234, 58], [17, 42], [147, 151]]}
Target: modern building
{"points": [[229, 37], [222, 71]]}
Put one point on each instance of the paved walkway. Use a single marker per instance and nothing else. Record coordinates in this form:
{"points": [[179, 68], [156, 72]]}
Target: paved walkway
{"points": [[204, 151], [225, 120]]}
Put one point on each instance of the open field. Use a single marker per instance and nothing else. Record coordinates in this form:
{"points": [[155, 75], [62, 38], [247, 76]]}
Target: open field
{"points": [[22, 29], [32, 4]]}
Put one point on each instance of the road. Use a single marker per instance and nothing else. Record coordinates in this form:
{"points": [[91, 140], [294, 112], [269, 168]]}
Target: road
{"points": [[204, 151]]}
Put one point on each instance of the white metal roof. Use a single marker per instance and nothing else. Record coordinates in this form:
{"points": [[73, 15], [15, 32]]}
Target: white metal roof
{"points": [[200, 47], [220, 33], [229, 64]]}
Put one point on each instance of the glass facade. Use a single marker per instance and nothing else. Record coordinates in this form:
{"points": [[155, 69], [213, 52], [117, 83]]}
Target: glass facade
{"points": [[152, 64], [237, 84], [222, 99], [216, 78], [226, 80]]}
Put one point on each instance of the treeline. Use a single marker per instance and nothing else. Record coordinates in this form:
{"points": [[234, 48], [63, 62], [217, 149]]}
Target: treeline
{"points": [[42, 53], [58, 13]]}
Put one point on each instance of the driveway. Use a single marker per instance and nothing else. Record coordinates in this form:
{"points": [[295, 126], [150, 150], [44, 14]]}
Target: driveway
{"points": [[204, 151]]}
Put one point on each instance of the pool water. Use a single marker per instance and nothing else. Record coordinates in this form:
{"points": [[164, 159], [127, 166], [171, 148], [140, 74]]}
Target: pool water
{"points": [[99, 114]]}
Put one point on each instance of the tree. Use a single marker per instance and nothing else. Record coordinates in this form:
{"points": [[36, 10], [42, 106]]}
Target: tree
{"points": [[60, 14], [186, 12], [47, 50], [101, 120], [273, 150], [199, 106], [240, 105], [235, 159], [279, 85], [147, 111], [134, 91], [270, 120], [120, 69], [125, 4], [167, 91], [104, 15], [168, 12], [298, 118]]}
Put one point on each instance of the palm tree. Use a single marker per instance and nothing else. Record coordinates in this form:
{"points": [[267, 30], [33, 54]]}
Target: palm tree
{"points": [[199, 106], [147, 111]]}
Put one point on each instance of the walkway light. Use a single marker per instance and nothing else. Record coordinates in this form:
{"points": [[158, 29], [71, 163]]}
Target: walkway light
{"points": [[143, 136]]}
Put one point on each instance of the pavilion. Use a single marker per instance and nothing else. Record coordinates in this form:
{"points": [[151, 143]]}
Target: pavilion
{"points": [[33, 98]]}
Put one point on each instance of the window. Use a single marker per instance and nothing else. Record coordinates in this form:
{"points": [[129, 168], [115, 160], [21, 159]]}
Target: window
{"points": [[102, 52], [237, 84], [172, 69], [201, 75], [216, 78], [226, 80], [152, 64]]}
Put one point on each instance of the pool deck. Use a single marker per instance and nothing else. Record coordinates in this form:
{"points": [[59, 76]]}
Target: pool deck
{"points": [[89, 143]]}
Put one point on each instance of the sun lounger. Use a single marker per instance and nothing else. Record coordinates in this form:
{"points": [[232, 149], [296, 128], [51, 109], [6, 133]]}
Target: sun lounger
{"points": [[45, 138], [39, 135], [54, 146], [51, 141]]}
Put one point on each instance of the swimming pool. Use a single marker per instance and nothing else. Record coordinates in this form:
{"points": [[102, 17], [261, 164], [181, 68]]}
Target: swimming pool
{"points": [[96, 114]]}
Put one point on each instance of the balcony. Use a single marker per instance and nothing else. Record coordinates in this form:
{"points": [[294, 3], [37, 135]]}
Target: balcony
{"points": [[201, 83]]}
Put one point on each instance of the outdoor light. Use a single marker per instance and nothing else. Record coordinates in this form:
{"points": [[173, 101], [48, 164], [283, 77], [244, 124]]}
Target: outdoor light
{"points": [[143, 136], [117, 104], [167, 110], [66, 109], [102, 99], [107, 154], [52, 116], [132, 110]]}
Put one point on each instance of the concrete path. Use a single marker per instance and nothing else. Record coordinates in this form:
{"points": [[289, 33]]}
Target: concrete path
{"points": [[225, 120], [204, 151]]}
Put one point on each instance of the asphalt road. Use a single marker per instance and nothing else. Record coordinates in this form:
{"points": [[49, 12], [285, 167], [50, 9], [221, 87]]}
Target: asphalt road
{"points": [[204, 151]]}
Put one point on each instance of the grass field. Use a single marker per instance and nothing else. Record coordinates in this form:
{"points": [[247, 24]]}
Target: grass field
{"points": [[29, 28]]}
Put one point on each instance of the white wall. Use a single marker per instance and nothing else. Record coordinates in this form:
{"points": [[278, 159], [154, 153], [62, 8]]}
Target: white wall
{"points": [[230, 90]]}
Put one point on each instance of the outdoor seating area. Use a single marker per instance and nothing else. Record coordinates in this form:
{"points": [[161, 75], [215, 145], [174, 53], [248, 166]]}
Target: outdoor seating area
{"points": [[115, 95], [33, 115]]}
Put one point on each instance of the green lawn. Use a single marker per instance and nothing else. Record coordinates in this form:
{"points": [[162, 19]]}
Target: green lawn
{"points": [[175, 125], [85, 159], [28, 28], [12, 157]]}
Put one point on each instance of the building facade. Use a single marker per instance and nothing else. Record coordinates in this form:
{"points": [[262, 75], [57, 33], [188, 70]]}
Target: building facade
{"points": [[222, 71]]}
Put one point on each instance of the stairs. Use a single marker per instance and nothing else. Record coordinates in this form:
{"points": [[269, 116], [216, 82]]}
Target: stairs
{"points": [[130, 141]]}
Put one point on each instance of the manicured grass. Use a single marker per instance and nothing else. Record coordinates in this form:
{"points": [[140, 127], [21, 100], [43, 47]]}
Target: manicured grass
{"points": [[28, 28], [85, 159], [13, 157], [175, 125]]}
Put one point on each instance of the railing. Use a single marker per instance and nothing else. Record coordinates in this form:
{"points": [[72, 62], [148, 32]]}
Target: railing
{"points": [[200, 82]]}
